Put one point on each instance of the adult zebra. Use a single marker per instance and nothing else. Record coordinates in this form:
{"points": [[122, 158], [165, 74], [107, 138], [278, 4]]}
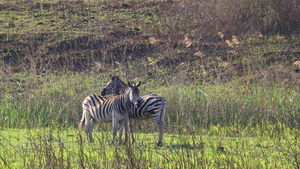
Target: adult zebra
{"points": [[97, 108], [151, 106]]}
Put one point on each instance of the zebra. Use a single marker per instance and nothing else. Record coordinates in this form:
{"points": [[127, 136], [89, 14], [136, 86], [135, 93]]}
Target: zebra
{"points": [[97, 108], [151, 106]]}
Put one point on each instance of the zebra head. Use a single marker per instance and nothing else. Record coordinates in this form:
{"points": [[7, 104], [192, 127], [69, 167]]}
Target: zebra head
{"points": [[134, 93], [114, 86]]}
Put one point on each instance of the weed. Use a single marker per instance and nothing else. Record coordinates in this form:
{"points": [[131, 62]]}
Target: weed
{"points": [[229, 71]]}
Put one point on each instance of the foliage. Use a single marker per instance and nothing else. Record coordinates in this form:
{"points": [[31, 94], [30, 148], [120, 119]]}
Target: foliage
{"points": [[216, 147], [228, 69], [212, 41], [57, 101]]}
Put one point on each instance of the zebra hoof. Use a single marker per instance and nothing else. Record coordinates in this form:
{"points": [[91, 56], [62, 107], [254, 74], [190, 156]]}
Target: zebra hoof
{"points": [[90, 140], [122, 143], [159, 143]]}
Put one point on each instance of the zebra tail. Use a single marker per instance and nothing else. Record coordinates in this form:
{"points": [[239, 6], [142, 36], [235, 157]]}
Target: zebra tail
{"points": [[164, 109], [81, 123]]}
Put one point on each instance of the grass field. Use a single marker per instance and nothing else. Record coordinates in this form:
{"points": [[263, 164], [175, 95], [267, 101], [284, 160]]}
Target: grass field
{"points": [[213, 148], [229, 71], [207, 126]]}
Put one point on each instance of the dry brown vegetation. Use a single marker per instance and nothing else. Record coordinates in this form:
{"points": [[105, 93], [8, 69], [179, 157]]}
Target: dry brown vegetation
{"points": [[229, 70], [209, 40]]}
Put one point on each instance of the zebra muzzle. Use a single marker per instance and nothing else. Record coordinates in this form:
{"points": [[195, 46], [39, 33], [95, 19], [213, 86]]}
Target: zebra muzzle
{"points": [[103, 92]]}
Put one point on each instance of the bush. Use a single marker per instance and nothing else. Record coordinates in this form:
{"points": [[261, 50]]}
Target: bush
{"points": [[234, 17]]}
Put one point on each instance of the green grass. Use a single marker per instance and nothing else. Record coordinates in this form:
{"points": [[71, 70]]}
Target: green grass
{"points": [[213, 148], [210, 126], [57, 101], [228, 106]]}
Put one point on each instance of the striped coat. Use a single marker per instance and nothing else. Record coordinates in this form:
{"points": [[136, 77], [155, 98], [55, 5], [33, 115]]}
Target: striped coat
{"points": [[99, 109], [152, 106]]}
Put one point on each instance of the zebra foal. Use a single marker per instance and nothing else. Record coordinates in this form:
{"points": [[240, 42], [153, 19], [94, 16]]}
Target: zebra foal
{"points": [[152, 106], [97, 108]]}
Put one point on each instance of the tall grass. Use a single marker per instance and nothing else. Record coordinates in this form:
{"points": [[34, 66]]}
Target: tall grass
{"points": [[55, 101], [233, 17], [213, 126], [230, 104], [64, 148], [58, 102], [240, 122]]}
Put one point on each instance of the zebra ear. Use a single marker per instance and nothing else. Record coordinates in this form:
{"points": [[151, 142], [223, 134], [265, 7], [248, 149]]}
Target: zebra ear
{"points": [[111, 76], [129, 84], [138, 84]]}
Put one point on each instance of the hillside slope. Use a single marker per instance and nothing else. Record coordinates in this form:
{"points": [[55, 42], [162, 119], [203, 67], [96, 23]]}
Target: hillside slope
{"points": [[187, 40]]}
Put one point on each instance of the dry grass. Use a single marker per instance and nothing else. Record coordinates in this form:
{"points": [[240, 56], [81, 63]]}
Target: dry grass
{"points": [[188, 38]]}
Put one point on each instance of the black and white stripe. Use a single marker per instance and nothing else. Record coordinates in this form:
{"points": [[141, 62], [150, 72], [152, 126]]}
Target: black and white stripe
{"points": [[97, 108], [152, 106]]}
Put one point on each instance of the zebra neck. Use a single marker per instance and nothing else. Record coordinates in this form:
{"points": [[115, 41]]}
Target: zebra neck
{"points": [[122, 87], [126, 101]]}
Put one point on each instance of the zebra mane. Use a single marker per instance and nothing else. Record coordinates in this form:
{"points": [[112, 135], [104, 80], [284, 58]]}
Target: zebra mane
{"points": [[119, 86]]}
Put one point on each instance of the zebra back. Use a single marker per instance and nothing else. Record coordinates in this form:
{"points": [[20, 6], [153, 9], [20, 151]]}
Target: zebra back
{"points": [[100, 107], [152, 106]]}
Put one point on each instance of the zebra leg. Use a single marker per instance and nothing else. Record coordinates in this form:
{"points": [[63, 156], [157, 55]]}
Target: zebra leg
{"points": [[131, 130], [91, 130], [121, 127], [115, 128], [160, 125], [160, 135], [126, 125], [126, 128], [87, 128]]}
